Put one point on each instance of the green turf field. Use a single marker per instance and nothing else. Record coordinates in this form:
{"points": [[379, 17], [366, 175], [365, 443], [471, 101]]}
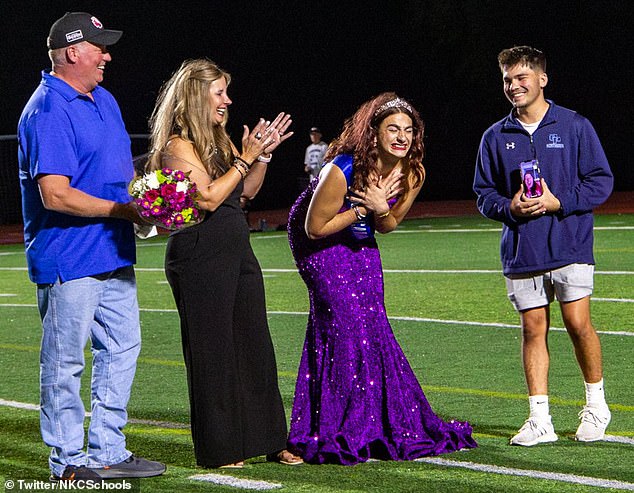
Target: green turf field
{"points": [[447, 302]]}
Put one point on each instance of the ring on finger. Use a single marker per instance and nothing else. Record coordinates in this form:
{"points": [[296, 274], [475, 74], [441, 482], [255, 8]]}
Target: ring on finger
{"points": [[258, 136]]}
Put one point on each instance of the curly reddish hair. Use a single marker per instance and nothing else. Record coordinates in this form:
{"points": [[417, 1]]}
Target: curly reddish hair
{"points": [[359, 134]]}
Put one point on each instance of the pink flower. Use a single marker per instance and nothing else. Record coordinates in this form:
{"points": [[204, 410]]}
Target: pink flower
{"points": [[151, 195], [168, 189]]}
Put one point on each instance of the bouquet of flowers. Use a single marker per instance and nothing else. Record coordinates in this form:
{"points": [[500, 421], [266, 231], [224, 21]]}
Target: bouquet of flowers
{"points": [[166, 198]]}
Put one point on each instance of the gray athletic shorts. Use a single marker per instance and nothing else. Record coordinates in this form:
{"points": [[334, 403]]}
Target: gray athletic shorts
{"points": [[569, 283]]}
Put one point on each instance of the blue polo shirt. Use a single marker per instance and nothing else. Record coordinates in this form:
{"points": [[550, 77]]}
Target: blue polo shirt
{"points": [[63, 132]]}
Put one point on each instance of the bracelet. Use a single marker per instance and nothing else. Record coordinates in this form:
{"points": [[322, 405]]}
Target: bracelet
{"points": [[385, 214], [241, 169], [239, 160], [242, 173], [264, 159], [242, 163], [355, 208]]}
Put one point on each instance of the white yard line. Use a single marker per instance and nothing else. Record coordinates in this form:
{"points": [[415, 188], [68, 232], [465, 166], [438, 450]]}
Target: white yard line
{"points": [[387, 271], [494, 230], [407, 319], [241, 483], [615, 300], [464, 322], [173, 425], [394, 271], [149, 422], [511, 471]]}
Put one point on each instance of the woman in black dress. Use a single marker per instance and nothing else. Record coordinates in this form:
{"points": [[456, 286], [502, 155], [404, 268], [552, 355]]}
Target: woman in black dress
{"points": [[236, 408]]}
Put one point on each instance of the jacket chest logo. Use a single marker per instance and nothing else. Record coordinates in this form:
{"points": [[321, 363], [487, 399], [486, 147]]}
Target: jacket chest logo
{"points": [[510, 145], [554, 142]]}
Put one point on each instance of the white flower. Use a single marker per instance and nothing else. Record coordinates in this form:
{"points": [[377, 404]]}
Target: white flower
{"points": [[139, 188], [182, 186], [151, 181]]}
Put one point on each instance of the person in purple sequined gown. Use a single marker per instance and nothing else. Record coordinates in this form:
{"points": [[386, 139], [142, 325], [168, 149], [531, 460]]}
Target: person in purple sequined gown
{"points": [[356, 395]]}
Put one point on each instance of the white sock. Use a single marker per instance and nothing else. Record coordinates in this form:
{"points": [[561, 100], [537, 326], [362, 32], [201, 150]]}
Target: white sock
{"points": [[595, 395], [539, 406]]}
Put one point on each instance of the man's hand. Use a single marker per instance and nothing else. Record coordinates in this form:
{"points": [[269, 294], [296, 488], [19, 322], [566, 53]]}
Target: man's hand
{"points": [[522, 206], [128, 212], [550, 202]]}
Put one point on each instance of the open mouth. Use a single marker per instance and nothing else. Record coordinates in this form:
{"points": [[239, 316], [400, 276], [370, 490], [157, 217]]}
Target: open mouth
{"points": [[399, 147]]}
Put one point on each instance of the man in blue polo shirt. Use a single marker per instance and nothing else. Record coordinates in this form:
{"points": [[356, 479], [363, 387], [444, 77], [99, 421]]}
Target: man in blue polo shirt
{"points": [[75, 164]]}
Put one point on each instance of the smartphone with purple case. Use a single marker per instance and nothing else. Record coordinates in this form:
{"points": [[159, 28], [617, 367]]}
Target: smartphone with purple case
{"points": [[531, 178]]}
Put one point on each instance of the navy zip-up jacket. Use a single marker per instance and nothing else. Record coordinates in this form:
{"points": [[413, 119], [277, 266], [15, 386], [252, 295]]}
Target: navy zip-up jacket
{"points": [[576, 170]]}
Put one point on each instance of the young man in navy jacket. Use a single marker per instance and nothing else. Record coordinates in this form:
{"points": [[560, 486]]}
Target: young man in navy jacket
{"points": [[546, 246]]}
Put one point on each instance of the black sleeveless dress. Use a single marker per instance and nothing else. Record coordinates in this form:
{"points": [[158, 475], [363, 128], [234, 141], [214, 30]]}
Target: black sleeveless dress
{"points": [[235, 403]]}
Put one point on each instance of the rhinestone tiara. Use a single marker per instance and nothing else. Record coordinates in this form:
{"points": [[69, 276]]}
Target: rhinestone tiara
{"points": [[393, 103]]}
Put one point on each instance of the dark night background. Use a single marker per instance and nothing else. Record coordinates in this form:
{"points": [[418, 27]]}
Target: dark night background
{"points": [[319, 61]]}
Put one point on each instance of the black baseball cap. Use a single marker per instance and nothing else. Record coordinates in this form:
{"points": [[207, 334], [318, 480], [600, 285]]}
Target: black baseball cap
{"points": [[315, 130], [75, 27]]}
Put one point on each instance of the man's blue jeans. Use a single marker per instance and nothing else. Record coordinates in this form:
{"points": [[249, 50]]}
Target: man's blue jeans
{"points": [[105, 309]]}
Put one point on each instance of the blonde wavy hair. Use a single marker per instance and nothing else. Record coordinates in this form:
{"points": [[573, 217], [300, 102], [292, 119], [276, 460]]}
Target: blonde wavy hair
{"points": [[183, 110]]}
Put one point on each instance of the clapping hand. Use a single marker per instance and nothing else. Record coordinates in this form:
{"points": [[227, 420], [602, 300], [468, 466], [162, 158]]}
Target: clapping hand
{"points": [[278, 128], [265, 137]]}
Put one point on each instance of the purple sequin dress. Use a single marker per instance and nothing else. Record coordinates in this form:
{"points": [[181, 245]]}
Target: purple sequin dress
{"points": [[356, 396]]}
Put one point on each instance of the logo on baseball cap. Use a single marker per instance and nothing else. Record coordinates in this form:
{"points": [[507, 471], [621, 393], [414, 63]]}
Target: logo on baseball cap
{"points": [[75, 27]]}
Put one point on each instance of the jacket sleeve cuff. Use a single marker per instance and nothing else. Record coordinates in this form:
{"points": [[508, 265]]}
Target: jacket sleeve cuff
{"points": [[510, 218], [564, 207]]}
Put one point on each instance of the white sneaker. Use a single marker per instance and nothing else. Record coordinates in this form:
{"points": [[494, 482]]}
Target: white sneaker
{"points": [[535, 431], [594, 421]]}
